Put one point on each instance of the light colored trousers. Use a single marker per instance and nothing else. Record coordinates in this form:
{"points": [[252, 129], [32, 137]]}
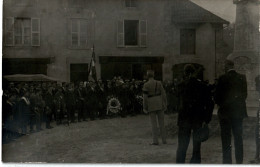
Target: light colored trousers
{"points": [[154, 116]]}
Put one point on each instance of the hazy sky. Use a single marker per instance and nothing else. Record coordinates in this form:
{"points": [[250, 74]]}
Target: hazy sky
{"points": [[223, 8]]}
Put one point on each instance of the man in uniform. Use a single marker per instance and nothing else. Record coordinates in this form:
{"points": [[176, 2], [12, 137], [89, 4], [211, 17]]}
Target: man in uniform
{"points": [[70, 101], [49, 107], [231, 93], [80, 95], [92, 100], [193, 113], [59, 105]]}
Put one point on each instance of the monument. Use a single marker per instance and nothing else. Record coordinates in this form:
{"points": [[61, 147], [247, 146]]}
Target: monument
{"points": [[246, 45]]}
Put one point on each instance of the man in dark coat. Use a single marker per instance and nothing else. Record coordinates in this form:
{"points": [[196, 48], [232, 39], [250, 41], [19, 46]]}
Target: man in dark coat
{"points": [[194, 111], [92, 100], [257, 127], [7, 117], [59, 105], [231, 93], [49, 107], [24, 110], [70, 101], [80, 100]]}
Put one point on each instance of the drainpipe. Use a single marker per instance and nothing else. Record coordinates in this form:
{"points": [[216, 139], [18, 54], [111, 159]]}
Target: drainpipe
{"points": [[215, 53]]}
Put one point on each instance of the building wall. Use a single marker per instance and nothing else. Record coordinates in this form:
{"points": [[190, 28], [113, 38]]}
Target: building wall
{"points": [[163, 37]]}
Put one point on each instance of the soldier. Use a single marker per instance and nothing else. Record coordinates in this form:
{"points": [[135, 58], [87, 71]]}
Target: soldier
{"points": [[80, 95], [24, 110], [124, 99], [92, 100], [193, 113], [7, 117], [59, 105], [33, 100], [70, 100], [102, 99], [39, 108], [49, 107]]}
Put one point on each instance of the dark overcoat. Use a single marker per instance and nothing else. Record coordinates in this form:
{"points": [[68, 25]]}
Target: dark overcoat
{"points": [[231, 93]]}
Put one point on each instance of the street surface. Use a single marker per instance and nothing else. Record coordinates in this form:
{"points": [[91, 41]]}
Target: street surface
{"points": [[116, 140]]}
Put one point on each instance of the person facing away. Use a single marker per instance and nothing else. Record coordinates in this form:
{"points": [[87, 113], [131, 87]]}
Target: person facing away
{"points": [[231, 93], [150, 88], [194, 107], [257, 125]]}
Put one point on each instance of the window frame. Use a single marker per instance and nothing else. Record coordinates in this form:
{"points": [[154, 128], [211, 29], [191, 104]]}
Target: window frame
{"points": [[141, 35], [23, 35], [79, 33], [184, 51], [138, 34]]}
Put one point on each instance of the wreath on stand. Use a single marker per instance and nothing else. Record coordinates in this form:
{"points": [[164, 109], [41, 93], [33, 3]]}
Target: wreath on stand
{"points": [[139, 99], [113, 106]]}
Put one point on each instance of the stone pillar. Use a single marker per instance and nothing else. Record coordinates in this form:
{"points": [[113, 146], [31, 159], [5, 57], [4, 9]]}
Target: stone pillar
{"points": [[246, 44]]}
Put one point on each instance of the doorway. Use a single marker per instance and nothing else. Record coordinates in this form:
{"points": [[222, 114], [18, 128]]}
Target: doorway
{"points": [[78, 72]]}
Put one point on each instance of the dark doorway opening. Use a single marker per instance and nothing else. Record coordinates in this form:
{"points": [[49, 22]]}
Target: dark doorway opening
{"points": [[25, 66], [78, 72]]}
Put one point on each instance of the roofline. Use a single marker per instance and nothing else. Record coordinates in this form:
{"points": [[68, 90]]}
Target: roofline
{"points": [[223, 20]]}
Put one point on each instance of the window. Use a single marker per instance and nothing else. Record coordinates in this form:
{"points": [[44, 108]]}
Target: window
{"points": [[22, 31], [130, 3], [131, 33], [79, 33], [187, 41]]}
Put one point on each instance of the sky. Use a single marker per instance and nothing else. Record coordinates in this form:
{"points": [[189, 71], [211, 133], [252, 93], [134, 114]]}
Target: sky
{"points": [[222, 8]]}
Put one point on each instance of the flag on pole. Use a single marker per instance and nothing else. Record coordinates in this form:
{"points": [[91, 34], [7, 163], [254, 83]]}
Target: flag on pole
{"points": [[92, 69]]}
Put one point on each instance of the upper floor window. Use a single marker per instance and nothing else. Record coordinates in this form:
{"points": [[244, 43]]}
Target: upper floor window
{"points": [[23, 2], [187, 41], [130, 3], [22, 31], [131, 33], [78, 34]]}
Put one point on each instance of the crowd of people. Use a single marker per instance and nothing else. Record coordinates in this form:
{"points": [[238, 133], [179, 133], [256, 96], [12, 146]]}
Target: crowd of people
{"points": [[27, 106]]}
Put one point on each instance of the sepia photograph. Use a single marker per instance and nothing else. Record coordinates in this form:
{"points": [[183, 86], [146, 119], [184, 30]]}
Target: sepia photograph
{"points": [[130, 82]]}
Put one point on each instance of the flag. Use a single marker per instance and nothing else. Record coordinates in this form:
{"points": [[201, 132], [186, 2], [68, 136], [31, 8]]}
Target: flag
{"points": [[92, 69]]}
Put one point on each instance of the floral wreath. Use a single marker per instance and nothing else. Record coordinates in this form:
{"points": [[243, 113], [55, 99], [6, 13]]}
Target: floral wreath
{"points": [[139, 99], [114, 105]]}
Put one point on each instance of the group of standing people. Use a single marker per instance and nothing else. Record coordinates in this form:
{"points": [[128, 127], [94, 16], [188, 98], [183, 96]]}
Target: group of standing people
{"points": [[196, 100], [27, 105]]}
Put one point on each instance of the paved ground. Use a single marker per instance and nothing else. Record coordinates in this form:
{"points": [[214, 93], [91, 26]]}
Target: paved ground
{"points": [[117, 140]]}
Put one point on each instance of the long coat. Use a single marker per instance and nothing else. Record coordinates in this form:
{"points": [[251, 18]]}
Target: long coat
{"points": [[194, 102], [149, 89], [231, 93]]}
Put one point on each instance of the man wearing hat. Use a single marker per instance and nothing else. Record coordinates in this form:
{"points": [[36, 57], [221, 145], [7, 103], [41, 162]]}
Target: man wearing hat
{"points": [[153, 88], [193, 113], [231, 93]]}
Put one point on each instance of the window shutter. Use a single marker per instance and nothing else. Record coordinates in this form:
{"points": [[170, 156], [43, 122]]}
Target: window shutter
{"points": [[143, 33], [120, 34], [9, 31], [35, 31]]}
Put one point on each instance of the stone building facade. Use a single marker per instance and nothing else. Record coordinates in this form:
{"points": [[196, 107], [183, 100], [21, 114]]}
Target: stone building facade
{"points": [[55, 37]]}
